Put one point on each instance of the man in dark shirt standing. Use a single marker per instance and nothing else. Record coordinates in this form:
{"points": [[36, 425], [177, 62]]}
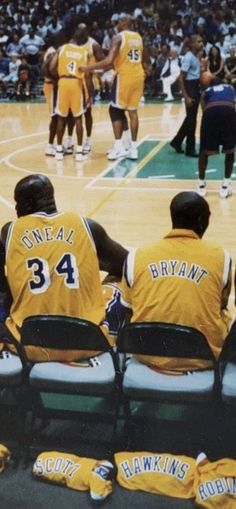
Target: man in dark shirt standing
{"points": [[190, 86]]}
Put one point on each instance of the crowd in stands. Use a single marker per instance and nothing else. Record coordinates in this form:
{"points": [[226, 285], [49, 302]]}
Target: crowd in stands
{"points": [[27, 28]]}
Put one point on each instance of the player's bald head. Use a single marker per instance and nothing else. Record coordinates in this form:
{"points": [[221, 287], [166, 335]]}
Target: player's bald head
{"points": [[190, 211], [81, 35], [34, 193], [125, 21]]}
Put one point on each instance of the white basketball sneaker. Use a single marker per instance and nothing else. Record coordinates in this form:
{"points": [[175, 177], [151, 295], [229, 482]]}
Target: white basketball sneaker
{"points": [[132, 154], [59, 154], [79, 157], [201, 188], [225, 190], [116, 154], [50, 150]]}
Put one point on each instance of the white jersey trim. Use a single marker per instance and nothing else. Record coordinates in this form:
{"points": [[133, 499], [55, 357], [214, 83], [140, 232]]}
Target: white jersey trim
{"points": [[227, 268], [130, 267]]}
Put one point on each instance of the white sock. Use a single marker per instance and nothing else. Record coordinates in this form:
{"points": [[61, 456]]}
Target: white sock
{"points": [[79, 148], [226, 182], [133, 144], [69, 140], [88, 139], [127, 136], [59, 148], [118, 145]]}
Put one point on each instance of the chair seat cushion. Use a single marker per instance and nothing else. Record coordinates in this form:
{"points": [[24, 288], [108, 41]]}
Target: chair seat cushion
{"points": [[57, 376], [10, 369], [140, 381], [228, 391]]}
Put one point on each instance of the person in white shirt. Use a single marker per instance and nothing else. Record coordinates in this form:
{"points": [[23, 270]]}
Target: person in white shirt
{"points": [[170, 73]]}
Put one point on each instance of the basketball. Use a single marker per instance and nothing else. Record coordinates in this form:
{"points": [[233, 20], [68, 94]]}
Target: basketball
{"points": [[206, 78]]}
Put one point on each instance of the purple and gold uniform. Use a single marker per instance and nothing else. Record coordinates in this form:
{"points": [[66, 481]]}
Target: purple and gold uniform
{"points": [[179, 279], [50, 86], [55, 260], [4, 456], [70, 84], [127, 88], [163, 474], [218, 125], [76, 473], [215, 483]]}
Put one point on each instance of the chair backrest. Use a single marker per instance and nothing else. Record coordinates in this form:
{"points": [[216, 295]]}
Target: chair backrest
{"points": [[165, 340], [62, 332]]}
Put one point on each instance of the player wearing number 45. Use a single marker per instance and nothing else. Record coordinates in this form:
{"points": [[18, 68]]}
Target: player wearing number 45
{"points": [[130, 61], [52, 261]]}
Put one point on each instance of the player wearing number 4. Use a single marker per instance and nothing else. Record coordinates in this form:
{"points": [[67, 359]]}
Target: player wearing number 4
{"points": [[64, 65], [130, 61], [52, 261]]}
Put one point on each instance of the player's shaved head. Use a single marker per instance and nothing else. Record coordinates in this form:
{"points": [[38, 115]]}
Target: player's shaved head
{"points": [[125, 21], [34, 193], [190, 211], [81, 35]]}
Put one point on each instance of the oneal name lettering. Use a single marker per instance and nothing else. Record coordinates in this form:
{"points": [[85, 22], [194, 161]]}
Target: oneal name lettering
{"points": [[50, 465], [38, 236], [219, 486], [154, 464], [177, 268]]}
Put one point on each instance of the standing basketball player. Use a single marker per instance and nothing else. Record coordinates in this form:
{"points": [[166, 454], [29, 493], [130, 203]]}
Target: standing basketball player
{"points": [[218, 128], [129, 60]]}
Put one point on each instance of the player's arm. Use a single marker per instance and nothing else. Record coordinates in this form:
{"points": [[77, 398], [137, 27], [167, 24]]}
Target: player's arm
{"points": [[227, 289], [107, 62], [53, 64], [235, 287], [146, 62], [98, 52], [181, 81], [5, 294], [110, 253]]}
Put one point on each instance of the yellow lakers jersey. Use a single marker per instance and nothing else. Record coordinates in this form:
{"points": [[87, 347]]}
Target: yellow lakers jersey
{"points": [[179, 279], [129, 58], [5, 456], [163, 474], [75, 472], [215, 483], [71, 57], [52, 268]]}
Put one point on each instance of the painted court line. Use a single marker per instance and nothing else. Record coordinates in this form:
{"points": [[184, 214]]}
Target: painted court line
{"points": [[126, 179], [6, 202], [111, 165]]}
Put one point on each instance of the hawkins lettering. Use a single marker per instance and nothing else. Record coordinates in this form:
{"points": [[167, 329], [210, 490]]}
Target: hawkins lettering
{"points": [[155, 464]]}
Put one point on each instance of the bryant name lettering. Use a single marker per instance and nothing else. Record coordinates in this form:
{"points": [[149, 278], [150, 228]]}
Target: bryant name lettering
{"points": [[178, 268]]}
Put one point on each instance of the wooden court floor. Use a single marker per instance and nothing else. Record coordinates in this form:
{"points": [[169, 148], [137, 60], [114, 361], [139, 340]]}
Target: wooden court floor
{"points": [[132, 205]]}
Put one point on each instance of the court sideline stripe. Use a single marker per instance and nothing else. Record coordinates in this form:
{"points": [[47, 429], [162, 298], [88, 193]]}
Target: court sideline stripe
{"points": [[130, 175]]}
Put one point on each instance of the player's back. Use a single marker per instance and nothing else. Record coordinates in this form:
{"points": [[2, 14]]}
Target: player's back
{"points": [[57, 269], [71, 57], [129, 58]]}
